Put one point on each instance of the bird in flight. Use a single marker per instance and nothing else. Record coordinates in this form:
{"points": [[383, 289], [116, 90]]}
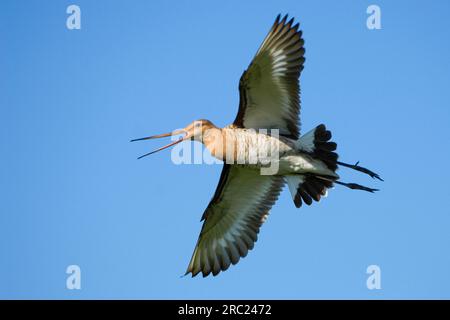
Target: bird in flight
{"points": [[269, 101]]}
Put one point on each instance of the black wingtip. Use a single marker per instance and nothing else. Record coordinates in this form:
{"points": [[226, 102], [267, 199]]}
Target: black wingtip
{"points": [[290, 21]]}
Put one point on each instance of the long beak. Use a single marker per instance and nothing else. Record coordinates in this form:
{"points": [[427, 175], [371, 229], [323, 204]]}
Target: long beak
{"points": [[176, 132]]}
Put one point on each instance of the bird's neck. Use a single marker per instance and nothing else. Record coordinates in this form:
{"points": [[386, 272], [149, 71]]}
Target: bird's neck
{"points": [[216, 141]]}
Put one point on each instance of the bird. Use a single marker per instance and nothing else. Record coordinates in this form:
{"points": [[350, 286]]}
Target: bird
{"points": [[269, 99]]}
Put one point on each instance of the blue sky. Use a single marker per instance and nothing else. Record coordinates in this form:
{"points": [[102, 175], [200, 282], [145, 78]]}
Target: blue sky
{"points": [[74, 193]]}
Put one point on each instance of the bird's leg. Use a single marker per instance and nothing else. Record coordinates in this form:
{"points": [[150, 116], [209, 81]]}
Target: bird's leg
{"points": [[360, 169], [355, 186]]}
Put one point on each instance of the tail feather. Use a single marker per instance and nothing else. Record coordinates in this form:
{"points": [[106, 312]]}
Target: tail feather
{"points": [[317, 143], [324, 148], [307, 187]]}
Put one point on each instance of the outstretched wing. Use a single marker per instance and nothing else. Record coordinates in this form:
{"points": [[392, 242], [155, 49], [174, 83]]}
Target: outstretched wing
{"points": [[239, 207], [269, 88]]}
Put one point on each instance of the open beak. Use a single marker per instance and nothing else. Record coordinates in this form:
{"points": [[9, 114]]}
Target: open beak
{"points": [[176, 132]]}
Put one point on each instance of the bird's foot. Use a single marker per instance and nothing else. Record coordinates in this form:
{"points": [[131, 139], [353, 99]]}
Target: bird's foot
{"points": [[360, 169], [356, 186]]}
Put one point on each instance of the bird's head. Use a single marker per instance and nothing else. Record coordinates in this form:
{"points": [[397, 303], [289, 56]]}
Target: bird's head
{"points": [[194, 131], [197, 129]]}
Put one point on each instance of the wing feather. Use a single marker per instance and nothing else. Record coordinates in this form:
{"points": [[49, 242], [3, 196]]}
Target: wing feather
{"points": [[233, 218], [269, 89]]}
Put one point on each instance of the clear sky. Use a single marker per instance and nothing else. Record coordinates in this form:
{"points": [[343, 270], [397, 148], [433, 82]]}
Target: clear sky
{"points": [[72, 191]]}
